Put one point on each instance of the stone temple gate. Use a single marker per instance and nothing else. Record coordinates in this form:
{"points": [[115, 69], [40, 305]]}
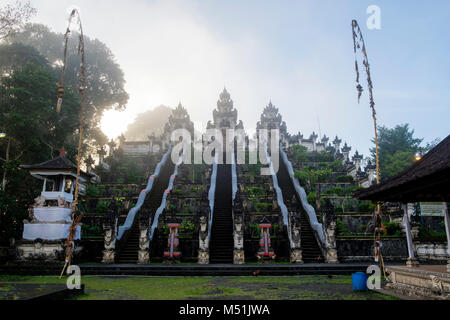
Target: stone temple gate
{"points": [[143, 207]]}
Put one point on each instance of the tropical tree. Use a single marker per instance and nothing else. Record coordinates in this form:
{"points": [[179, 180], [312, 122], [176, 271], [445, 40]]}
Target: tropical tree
{"points": [[33, 132], [397, 147], [104, 77], [12, 17]]}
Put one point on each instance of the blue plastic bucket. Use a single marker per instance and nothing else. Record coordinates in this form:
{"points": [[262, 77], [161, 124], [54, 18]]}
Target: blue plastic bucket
{"points": [[359, 280]]}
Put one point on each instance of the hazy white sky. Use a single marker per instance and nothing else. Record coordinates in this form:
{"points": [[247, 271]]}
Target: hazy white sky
{"points": [[299, 54]]}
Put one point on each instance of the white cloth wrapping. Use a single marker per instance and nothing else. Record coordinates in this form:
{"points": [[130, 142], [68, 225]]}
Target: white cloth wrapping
{"points": [[48, 231], [52, 214]]}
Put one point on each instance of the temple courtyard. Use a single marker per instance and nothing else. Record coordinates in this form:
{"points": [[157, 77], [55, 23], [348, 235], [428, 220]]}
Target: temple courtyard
{"points": [[313, 287]]}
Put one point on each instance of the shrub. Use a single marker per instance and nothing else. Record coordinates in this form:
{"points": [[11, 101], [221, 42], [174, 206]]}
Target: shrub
{"points": [[312, 199], [301, 157], [344, 179], [338, 191], [255, 192], [340, 227], [366, 206], [102, 206], [392, 228], [187, 227], [351, 189], [261, 206], [95, 191], [337, 166]]}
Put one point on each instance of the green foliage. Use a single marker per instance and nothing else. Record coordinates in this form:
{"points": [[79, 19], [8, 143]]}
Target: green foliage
{"points": [[254, 230], [28, 114], [397, 147], [337, 166], [312, 199], [340, 227], [344, 179], [320, 157], [255, 192], [366, 206], [426, 232], [262, 207], [397, 162], [338, 191], [311, 176], [187, 227], [102, 206], [296, 148], [105, 78], [91, 230], [392, 229], [95, 191], [12, 212], [16, 55], [254, 169]]}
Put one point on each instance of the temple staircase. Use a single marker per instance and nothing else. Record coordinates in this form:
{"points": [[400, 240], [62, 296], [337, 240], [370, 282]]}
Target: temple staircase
{"points": [[310, 248], [129, 252], [221, 243]]}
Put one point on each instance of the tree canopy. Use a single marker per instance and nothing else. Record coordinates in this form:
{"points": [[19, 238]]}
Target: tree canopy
{"points": [[30, 64], [397, 148], [12, 17], [104, 77], [28, 113]]}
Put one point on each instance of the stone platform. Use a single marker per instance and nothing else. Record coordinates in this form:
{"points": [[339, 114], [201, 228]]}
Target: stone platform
{"points": [[424, 281], [25, 291], [193, 269]]}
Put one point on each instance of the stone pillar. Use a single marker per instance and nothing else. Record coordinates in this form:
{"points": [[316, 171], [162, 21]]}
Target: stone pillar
{"points": [[447, 230], [110, 230], [296, 251], [329, 230], [412, 261], [144, 242], [238, 236], [203, 243]]}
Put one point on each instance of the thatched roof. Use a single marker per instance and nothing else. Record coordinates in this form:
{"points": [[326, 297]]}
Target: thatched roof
{"points": [[61, 163], [426, 180]]}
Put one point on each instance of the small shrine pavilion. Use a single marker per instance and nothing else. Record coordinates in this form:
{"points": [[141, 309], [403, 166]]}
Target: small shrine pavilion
{"points": [[50, 217]]}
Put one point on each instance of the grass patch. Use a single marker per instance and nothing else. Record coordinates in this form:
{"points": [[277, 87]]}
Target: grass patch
{"points": [[182, 288]]}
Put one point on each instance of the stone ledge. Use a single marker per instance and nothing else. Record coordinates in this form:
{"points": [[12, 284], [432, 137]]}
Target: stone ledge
{"points": [[427, 282]]}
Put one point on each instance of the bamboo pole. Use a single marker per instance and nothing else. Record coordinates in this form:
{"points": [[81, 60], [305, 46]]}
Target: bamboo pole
{"points": [[75, 220], [358, 43]]}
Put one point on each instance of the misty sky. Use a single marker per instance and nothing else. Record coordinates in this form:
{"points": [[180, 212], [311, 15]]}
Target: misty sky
{"points": [[299, 54]]}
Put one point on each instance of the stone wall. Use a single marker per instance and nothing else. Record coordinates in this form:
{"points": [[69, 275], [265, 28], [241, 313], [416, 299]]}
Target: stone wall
{"points": [[362, 249], [431, 251]]}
